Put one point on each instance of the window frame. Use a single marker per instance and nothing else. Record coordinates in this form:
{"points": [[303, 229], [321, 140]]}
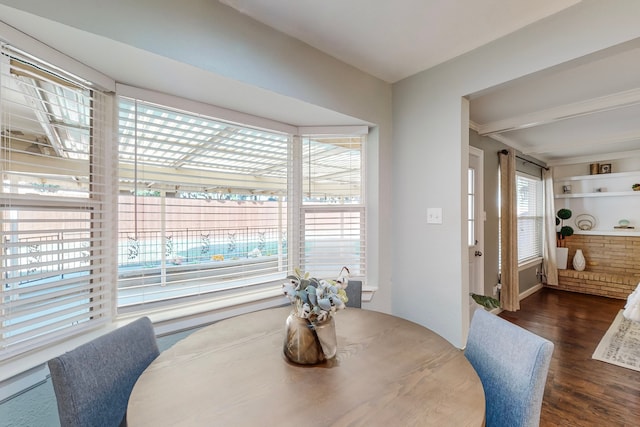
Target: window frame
{"points": [[525, 262], [54, 197], [295, 207]]}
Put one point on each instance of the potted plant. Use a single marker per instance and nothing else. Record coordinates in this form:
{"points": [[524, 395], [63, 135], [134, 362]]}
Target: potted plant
{"points": [[563, 231]]}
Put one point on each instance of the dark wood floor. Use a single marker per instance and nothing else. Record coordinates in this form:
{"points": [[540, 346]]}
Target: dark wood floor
{"points": [[580, 391]]}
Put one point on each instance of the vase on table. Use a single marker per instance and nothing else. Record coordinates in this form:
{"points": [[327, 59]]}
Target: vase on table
{"points": [[579, 263], [309, 343]]}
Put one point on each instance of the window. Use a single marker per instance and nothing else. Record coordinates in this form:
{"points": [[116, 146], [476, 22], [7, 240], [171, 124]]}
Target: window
{"points": [[202, 205], [55, 233], [333, 210], [207, 206], [471, 206], [530, 219]]}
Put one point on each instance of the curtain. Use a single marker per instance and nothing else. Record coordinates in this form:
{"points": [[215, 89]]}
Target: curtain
{"points": [[509, 296], [549, 265]]}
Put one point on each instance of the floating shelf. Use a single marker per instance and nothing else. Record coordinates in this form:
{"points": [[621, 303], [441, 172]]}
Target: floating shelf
{"points": [[610, 232], [597, 176], [598, 194]]}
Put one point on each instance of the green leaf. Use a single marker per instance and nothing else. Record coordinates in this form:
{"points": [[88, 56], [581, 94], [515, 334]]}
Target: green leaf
{"points": [[485, 301]]}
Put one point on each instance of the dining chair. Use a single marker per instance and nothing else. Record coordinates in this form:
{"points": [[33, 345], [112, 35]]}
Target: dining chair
{"points": [[354, 293], [512, 364], [92, 382]]}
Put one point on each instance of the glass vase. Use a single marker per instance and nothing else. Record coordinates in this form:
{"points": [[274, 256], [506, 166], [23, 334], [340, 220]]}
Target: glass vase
{"points": [[309, 343]]}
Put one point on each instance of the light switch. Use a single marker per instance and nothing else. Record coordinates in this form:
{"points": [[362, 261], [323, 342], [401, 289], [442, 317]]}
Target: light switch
{"points": [[434, 215]]}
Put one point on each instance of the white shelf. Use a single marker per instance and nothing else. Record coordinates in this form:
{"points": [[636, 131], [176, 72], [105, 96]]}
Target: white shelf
{"points": [[598, 194], [615, 201], [597, 176], [632, 232]]}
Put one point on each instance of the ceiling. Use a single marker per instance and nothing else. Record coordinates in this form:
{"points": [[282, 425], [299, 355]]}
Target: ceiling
{"points": [[581, 111], [396, 39]]}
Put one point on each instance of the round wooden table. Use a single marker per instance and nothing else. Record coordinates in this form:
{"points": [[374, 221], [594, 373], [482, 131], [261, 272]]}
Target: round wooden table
{"points": [[388, 372]]}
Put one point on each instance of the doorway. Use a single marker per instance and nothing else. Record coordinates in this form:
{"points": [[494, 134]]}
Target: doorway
{"points": [[475, 224]]}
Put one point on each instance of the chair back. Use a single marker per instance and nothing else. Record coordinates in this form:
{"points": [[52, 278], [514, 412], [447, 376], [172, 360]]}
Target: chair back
{"points": [[354, 293], [512, 364], [93, 382]]}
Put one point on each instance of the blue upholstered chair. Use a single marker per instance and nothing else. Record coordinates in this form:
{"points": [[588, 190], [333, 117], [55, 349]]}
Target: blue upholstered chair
{"points": [[93, 382], [512, 364]]}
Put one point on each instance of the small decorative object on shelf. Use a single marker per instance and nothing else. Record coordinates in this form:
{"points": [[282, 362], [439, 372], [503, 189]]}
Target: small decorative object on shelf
{"points": [[605, 168], [585, 222], [635, 187], [579, 263], [310, 328], [594, 168], [624, 224], [566, 189]]}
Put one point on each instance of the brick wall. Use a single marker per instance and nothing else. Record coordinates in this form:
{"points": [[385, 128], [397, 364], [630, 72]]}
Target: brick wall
{"points": [[613, 265]]}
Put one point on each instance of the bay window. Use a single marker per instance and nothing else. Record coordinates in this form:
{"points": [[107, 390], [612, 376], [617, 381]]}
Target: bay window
{"points": [[114, 204]]}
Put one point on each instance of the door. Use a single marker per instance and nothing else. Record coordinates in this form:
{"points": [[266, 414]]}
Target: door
{"points": [[475, 224]]}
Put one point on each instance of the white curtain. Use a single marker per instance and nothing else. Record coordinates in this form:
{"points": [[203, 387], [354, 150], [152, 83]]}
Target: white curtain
{"points": [[549, 264]]}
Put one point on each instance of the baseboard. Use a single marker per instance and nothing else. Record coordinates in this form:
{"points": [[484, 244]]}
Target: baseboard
{"points": [[530, 291], [522, 296]]}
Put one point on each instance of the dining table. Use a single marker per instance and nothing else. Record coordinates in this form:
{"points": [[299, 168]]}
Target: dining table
{"points": [[388, 371]]}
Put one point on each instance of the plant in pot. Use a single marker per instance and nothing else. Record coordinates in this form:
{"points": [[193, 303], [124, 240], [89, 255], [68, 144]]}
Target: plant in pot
{"points": [[563, 231]]}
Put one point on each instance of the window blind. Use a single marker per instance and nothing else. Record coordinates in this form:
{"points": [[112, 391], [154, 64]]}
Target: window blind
{"points": [[530, 220], [202, 205], [333, 223], [54, 252]]}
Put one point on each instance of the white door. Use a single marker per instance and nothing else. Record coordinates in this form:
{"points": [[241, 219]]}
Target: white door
{"points": [[475, 224]]}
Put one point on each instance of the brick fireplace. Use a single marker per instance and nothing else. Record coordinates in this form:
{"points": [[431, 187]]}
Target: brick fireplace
{"points": [[613, 265]]}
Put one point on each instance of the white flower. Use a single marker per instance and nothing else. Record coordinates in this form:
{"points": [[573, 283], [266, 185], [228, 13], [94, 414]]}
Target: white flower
{"points": [[316, 299]]}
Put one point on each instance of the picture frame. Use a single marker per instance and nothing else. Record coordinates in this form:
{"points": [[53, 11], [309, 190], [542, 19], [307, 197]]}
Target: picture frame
{"points": [[605, 168]]}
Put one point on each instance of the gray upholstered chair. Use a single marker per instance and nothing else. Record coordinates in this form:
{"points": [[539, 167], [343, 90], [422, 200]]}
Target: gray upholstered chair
{"points": [[512, 364], [354, 293], [93, 382]]}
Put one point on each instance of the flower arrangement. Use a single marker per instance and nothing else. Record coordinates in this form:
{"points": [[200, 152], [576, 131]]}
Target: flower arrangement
{"points": [[316, 299]]}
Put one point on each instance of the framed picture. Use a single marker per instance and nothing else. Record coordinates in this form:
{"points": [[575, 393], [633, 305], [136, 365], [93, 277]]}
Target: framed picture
{"points": [[605, 168]]}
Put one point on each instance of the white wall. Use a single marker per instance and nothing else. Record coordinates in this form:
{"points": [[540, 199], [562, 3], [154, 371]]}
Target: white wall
{"points": [[429, 261]]}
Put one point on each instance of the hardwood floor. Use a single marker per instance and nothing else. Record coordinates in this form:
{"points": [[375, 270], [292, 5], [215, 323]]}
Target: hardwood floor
{"points": [[580, 391]]}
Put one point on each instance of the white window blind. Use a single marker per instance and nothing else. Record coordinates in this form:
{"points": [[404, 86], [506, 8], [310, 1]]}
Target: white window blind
{"points": [[55, 233], [202, 205], [530, 224], [333, 225]]}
